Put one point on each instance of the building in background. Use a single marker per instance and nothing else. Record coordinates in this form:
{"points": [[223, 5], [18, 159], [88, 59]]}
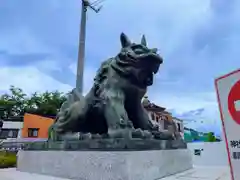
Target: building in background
{"points": [[35, 126], [179, 124], [11, 127], [160, 117]]}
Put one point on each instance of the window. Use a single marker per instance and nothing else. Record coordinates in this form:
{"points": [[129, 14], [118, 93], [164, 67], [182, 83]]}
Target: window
{"points": [[4, 134], [32, 132], [1, 124], [163, 117], [179, 127], [166, 124], [152, 115], [8, 133]]}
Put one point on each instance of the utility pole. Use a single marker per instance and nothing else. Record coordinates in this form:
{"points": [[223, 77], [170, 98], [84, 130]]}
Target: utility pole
{"points": [[82, 36]]}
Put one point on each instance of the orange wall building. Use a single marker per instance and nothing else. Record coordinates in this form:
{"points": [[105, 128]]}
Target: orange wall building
{"points": [[35, 126]]}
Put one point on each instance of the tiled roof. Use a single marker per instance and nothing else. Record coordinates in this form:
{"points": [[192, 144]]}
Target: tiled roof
{"points": [[154, 107]]}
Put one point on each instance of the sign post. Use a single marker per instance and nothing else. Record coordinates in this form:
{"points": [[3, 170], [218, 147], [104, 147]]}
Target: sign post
{"points": [[228, 94]]}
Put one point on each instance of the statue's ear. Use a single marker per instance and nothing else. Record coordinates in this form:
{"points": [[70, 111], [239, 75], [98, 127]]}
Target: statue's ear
{"points": [[124, 40], [154, 50], [143, 40]]}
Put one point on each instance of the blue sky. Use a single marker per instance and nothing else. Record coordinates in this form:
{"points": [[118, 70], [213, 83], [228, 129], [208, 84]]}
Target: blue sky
{"points": [[197, 39]]}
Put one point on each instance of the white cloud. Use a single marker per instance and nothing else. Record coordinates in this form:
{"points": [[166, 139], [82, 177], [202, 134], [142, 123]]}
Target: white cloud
{"points": [[184, 102], [89, 74], [167, 24], [48, 64], [22, 41], [30, 79]]}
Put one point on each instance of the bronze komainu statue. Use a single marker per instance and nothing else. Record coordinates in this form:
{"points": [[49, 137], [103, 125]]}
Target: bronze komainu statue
{"points": [[113, 105]]}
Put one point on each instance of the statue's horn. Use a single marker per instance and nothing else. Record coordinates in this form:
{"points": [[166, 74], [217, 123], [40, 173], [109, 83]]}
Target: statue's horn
{"points": [[124, 40], [143, 41]]}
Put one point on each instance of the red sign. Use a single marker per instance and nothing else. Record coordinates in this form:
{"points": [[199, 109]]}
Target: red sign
{"points": [[233, 97], [228, 94]]}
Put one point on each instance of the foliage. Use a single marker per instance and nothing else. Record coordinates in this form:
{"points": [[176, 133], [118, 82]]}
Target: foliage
{"points": [[211, 137], [16, 102], [47, 103], [195, 136], [7, 159]]}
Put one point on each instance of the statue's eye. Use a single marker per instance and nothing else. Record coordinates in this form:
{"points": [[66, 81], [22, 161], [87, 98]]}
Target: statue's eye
{"points": [[139, 51], [138, 46]]}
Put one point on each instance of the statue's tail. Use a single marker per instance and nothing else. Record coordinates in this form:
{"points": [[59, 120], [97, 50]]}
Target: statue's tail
{"points": [[72, 97], [63, 120], [75, 95]]}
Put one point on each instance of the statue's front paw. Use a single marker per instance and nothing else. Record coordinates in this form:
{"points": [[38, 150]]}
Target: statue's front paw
{"points": [[125, 124], [119, 133], [163, 135], [85, 136], [142, 134]]}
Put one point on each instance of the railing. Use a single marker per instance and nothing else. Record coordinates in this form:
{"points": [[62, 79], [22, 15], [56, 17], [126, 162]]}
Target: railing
{"points": [[17, 144]]}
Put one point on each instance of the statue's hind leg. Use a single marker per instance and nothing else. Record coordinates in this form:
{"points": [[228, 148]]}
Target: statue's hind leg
{"points": [[70, 120], [71, 117]]}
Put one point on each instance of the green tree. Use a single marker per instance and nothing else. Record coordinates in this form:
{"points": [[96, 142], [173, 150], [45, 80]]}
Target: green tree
{"points": [[47, 103], [16, 102], [5, 108], [211, 137], [13, 103]]}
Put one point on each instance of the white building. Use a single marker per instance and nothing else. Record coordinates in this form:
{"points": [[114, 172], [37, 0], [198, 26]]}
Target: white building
{"points": [[11, 128], [160, 117]]}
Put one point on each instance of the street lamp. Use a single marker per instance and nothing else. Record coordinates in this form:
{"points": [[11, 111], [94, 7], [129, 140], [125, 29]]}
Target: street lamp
{"points": [[82, 37]]}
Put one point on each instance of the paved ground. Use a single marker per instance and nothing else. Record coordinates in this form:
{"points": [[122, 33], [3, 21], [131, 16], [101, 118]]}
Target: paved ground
{"points": [[197, 173], [13, 174], [203, 173]]}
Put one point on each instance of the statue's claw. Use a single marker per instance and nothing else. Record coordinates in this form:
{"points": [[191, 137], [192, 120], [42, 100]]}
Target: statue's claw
{"points": [[119, 133], [163, 135], [142, 134]]}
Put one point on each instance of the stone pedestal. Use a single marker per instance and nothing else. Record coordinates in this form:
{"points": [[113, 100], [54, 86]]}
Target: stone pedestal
{"points": [[106, 165]]}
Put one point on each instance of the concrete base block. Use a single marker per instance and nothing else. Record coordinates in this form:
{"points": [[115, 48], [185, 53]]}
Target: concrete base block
{"points": [[106, 165]]}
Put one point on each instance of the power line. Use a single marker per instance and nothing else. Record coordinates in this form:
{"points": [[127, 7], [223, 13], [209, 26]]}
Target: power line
{"points": [[97, 2]]}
